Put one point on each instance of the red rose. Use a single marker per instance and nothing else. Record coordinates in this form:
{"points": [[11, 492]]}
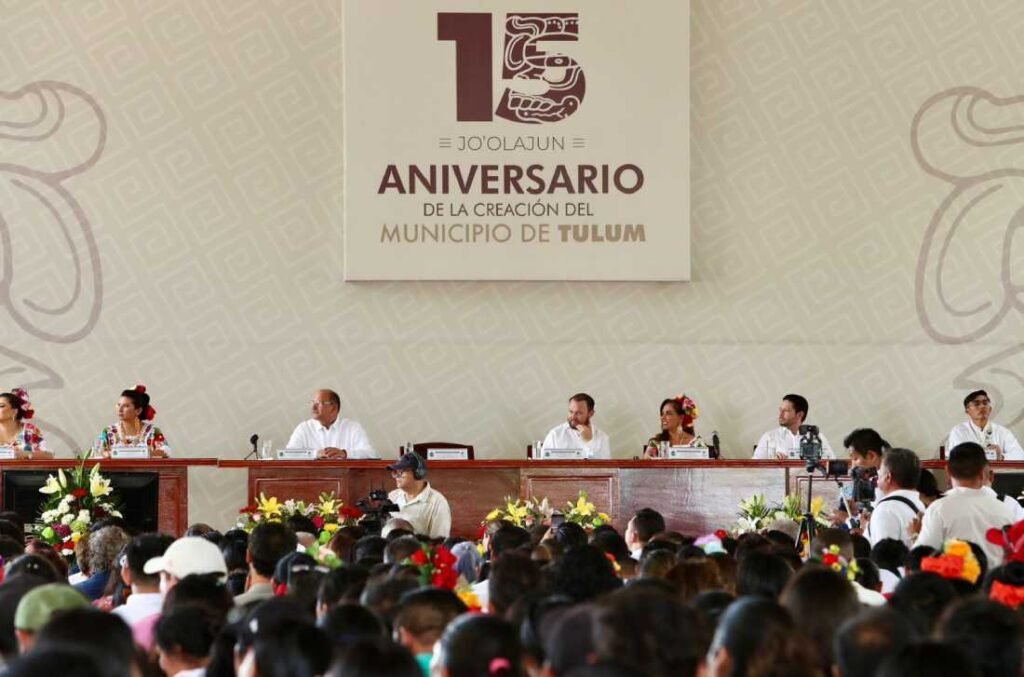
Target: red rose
{"points": [[79, 493], [444, 578], [351, 512], [419, 558], [318, 522], [722, 534], [443, 557]]}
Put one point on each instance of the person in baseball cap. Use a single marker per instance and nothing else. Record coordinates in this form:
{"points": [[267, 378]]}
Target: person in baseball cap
{"points": [[38, 605], [424, 507], [186, 556]]}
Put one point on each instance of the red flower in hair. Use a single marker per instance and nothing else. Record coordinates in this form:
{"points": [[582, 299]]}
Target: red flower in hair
{"points": [[1006, 594], [1010, 539], [443, 557], [139, 388]]}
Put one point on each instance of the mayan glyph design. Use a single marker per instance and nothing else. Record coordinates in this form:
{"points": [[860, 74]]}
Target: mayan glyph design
{"points": [[526, 61], [51, 282], [969, 281]]}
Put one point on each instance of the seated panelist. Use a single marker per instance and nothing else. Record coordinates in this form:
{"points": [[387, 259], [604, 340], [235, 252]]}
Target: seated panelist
{"points": [[979, 428], [134, 426], [780, 442], [579, 431], [332, 436], [678, 415], [15, 431]]}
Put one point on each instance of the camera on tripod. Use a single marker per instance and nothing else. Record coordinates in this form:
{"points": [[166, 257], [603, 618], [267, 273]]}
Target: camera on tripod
{"points": [[376, 507], [810, 446]]}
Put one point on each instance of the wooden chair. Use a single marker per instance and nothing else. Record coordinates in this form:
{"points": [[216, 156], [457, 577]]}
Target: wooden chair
{"points": [[421, 448]]}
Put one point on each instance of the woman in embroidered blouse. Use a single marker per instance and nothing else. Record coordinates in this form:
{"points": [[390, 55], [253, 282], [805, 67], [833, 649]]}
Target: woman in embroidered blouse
{"points": [[677, 417], [134, 426], [15, 430]]}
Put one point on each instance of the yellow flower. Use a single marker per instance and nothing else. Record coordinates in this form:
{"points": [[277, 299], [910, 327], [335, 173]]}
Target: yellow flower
{"points": [[817, 505], [481, 549], [330, 527], [583, 508], [604, 517], [493, 515], [76, 536], [269, 506], [99, 486], [958, 548], [469, 598], [328, 508]]}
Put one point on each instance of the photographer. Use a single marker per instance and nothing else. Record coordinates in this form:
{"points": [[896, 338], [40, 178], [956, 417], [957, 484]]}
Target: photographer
{"points": [[424, 507], [897, 483], [865, 447]]}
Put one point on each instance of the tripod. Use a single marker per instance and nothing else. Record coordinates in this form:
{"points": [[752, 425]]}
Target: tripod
{"points": [[808, 527]]}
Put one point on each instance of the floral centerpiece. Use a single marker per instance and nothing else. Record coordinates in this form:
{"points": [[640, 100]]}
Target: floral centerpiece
{"points": [[522, 513], [327, 513], [75, 500], [436, 567], [756, 514], [584, 513]]}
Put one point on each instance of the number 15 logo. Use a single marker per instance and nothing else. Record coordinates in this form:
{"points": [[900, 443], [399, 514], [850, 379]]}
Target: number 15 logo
{"points": [[523, 60]]}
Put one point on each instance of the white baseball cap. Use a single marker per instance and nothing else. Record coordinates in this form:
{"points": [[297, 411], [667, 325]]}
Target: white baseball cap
{"points": [[189, 555]]}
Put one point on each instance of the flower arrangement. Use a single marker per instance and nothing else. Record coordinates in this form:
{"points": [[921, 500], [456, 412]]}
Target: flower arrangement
{"points": [[585, 514], [75, 500], [756, 514], [436, 566], [690, 411], [831, 558], [328, 514], [957, 562], [522, 513]]}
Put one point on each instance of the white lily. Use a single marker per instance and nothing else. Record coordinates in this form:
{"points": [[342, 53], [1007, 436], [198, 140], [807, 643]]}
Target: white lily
{"points": [[99, 486], [51, 486]]}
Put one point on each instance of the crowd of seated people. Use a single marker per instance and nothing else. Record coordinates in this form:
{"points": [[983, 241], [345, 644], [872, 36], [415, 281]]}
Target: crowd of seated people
{"points": [[553, 601]]}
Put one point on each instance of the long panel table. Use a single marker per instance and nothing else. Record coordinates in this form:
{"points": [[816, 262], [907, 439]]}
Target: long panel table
{"points": [[695, 496], [172, 478]]}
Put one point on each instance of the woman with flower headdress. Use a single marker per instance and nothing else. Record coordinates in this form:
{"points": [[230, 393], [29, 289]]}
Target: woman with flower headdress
{"points": [[134, 426], [677, 417], [16, 431]]}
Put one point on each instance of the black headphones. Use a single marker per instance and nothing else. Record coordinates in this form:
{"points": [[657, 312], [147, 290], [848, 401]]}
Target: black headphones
{"points": [[420, 471]]}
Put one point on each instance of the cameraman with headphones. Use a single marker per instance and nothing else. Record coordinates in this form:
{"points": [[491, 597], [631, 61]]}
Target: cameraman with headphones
{"points": [[424, 507], [865, 447]]}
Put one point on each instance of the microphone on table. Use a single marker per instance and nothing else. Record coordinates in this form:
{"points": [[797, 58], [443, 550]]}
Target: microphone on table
{"points": [[252, 440], [714, 444]]}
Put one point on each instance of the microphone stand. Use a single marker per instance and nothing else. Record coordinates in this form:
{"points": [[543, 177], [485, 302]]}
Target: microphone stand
{"points": [[252, 454]]}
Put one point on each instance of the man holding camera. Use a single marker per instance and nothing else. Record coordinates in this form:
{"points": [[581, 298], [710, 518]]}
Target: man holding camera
{"points": [[424, 507], [784, 442], [900, 504]]}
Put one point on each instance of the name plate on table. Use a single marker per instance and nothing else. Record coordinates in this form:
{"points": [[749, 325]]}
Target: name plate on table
{"points": [[683, 453], [561, 454], [129, 452], [7, 454], [448, 454], [990, 454], [296, 454]]}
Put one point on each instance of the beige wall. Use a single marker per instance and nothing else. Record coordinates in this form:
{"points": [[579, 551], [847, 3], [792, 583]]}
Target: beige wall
{"points": [[214, 212]]}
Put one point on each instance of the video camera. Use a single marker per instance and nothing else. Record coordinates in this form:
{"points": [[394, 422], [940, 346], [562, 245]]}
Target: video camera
{"points": [[376, 507], [810, 446]]}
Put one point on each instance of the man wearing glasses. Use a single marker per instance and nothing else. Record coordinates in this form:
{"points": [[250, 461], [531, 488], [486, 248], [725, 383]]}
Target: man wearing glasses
{"points": [[994, 438], [332, 436], [424, 507]]}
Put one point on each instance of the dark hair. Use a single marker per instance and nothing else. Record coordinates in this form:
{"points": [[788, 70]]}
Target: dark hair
{"points": [[368, 657], [973, 395], [332, 397], [140, 400], [105, 636], [677, 406], [140, 550], [647, 522], [648, 631], [348, 623], [799, 403], [611, 543], [426, 612], [583, 397], [583, 573], [508, 538], [56, 660], [927, 659], [966, 461], [820, 600], [34, 565], [826, 538], [11, 548], [269, 542], [694, 576], [866, 640], [343, 584], [294, 649], [656, 562], [922, 598], [512, 576], [569, 534], [762, 574], [396, 551], [234, 554], [473, 643], [188, 629], [200, 590], [369, 547], [864, 440], [987, 632], [927, 485], [890, 554], [710, 605], [869, 576], [381, 595], [761, 638], [17, 405], [904, 467], [301, 523]]}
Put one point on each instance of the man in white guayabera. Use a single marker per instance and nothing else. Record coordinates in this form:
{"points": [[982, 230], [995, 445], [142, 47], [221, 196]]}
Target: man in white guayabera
{"points": [[783, 441], [993, 438], [332, 436], [579, 431]]}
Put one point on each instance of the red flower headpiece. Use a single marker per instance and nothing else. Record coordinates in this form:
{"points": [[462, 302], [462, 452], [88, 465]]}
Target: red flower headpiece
{"points": [[148, 413], [690, 412], [26, 407], [1006, 594], [1010, 539], [436, 565]]}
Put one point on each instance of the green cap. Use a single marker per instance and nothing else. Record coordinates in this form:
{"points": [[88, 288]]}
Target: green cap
{"points": [[36, 607]]}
